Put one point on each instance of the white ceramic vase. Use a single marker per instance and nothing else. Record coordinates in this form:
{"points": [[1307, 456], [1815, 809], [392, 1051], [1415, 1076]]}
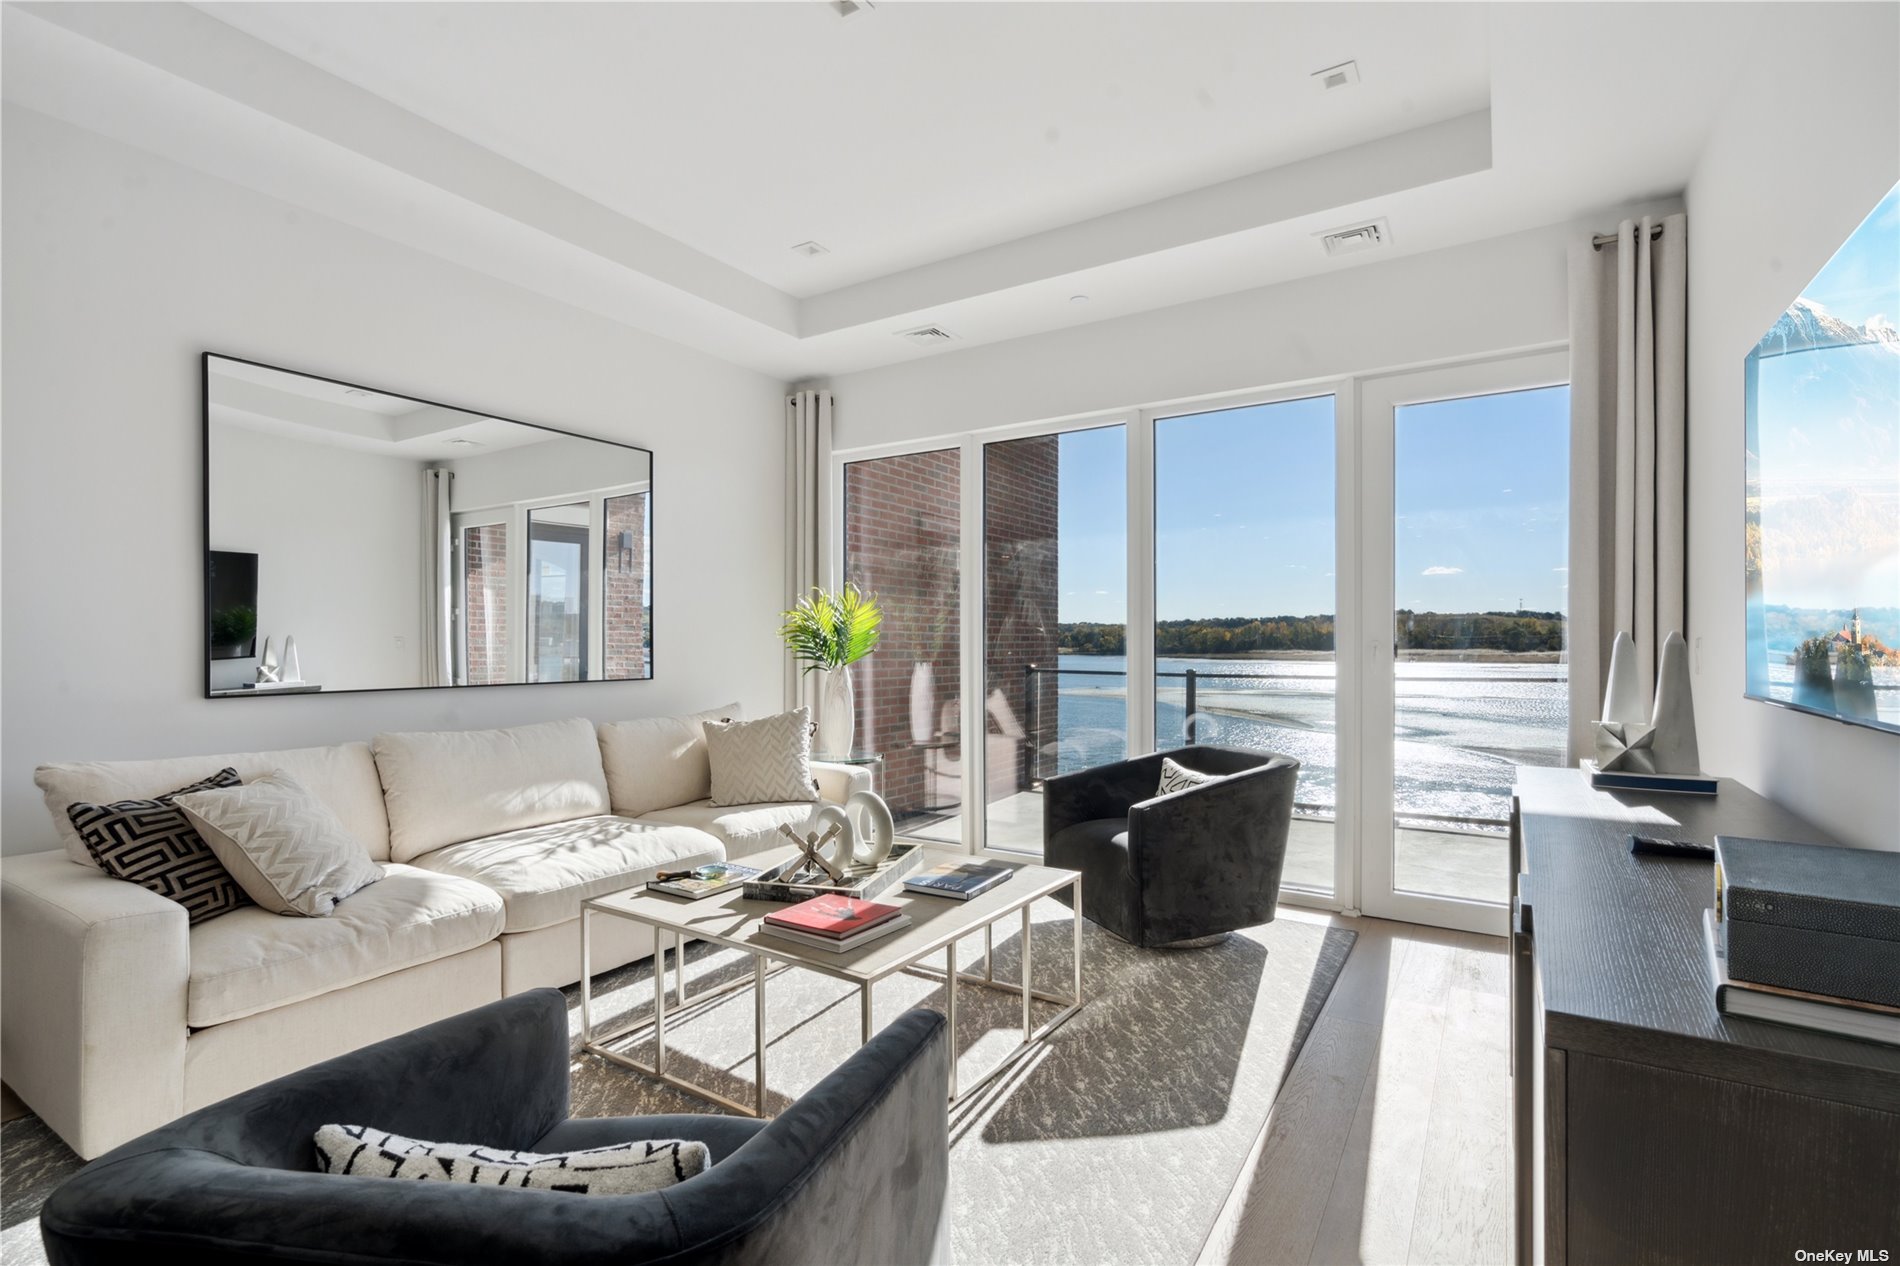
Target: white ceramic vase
{"points": [[837, 713]]}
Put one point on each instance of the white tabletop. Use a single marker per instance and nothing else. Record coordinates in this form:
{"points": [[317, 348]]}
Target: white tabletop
{"points": [[935, 921]]}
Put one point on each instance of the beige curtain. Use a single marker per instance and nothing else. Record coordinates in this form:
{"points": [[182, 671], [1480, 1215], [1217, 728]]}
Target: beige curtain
{"points": [[1629, 450], [807, 460], [438, 577]]}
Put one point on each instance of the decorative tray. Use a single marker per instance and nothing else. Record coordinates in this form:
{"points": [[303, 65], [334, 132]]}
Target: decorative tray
{"points": [[795, 881]]}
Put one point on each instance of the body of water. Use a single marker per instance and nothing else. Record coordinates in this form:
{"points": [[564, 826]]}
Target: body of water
{"points": [[1460, 727]]}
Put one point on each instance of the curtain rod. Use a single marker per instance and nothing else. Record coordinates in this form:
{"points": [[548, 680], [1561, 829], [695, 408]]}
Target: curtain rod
{"points": [[1602, 240]]}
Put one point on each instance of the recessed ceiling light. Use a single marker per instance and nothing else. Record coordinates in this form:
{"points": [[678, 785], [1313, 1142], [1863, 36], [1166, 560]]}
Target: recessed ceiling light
{"points": [[810, 248], [463, 442], [1078, 299], [846, 8], [355, 391], [1343, 75]]}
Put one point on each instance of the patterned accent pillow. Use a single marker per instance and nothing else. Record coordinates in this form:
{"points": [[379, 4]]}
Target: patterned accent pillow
{"points": [[152, 844], [623, 1169], [1178, 777], [283, 845], [767, 761]]}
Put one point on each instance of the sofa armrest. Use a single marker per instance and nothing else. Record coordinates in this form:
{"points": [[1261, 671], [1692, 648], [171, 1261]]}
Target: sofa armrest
{"points": [[92, 1025], [838, 783]]}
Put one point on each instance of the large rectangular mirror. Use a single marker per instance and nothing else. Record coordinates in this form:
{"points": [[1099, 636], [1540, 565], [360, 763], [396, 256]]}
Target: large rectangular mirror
{"points": [[356, 539]]}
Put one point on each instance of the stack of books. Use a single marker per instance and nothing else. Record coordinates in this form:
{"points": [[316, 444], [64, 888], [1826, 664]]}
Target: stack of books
{"points": [[832, 923], [1807, 935]]}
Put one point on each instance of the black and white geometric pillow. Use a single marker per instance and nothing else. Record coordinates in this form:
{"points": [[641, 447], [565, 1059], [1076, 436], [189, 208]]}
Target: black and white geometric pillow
{"points": [[1178, 777], [623, 1169], [149, 843]]}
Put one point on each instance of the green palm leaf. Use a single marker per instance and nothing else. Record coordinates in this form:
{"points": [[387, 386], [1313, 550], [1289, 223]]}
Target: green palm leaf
{"points": [[831, 630]]}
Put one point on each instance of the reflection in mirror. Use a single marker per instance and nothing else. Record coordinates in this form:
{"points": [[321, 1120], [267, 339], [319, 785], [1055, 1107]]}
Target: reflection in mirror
{"points": [[358, 540]]}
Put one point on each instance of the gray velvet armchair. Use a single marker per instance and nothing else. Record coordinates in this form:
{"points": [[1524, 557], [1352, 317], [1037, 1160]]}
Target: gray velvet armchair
{"points": [[1159, 870], [856, 1171]]}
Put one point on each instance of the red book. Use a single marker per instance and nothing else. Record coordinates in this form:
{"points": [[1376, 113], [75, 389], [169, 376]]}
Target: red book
{"points": [[835, 917]]}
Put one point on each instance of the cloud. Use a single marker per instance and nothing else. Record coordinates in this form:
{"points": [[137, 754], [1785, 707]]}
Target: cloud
{"points": [[1560, 569], [1441, 571]]}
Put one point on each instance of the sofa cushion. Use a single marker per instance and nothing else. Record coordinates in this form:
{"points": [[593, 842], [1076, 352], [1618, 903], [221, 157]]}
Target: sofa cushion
{"points": [[543, 873], [444, 788], [343, 777], [658, 762], [252, 960], [747, 828]]}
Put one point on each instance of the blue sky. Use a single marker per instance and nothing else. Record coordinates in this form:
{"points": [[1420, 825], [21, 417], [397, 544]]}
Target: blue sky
{"points": [[1244, 512], [1862, 280]]}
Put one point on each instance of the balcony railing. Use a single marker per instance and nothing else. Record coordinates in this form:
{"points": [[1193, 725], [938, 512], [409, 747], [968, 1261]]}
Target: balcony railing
{"points": [[1191, 678]]}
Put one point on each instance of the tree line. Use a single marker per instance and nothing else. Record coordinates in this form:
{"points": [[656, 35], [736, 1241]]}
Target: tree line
{"points": [[1237, 635]]}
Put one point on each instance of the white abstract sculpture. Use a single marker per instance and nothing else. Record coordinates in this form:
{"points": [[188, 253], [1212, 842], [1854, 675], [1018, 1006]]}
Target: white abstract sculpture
{"points": [[1672, 742], [292, 671], [267, 670], [1622, 734], [872, 828]]}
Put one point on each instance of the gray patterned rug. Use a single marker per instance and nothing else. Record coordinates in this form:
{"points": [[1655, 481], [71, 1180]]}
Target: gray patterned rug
{"points": [[1115, 1141]]}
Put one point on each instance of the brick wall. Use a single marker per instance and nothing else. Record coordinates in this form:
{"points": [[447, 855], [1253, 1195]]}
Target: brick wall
{"points": [[1022, 585], [902, 543], [625, 652], [485, 604]]}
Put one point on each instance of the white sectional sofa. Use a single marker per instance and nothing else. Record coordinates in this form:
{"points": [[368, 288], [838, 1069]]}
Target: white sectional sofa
{"points": [[118, 1016]]}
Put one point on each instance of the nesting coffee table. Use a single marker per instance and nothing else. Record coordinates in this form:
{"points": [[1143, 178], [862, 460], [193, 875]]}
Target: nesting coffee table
{"points": [[938, 924]]}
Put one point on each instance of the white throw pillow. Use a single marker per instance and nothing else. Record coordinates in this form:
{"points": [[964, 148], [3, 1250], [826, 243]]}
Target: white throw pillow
{"points": [[1178, 777], [284, 847], [623, 1169], [658, 762], [767, 761]]}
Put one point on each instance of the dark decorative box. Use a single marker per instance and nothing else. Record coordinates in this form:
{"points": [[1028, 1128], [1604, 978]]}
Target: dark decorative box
{"points": [[1810, 916]]}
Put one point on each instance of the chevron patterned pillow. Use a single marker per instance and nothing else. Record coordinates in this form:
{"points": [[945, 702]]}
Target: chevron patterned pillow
{"points": [[283, 845], [622, 1169], [150, 843], [767, 761]]}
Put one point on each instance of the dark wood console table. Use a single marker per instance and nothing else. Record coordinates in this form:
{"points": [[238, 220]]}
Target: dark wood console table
{"points": [[1648, 1126]]}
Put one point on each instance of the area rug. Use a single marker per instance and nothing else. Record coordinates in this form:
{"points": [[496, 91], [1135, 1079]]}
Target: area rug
{"points": [[1116, 1140]]}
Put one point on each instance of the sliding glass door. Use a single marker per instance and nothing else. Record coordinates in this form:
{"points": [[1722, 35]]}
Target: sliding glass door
{"points": [[902, 542], [1467, 553], [1055, 619], [1244, 603], [1369, 577]]}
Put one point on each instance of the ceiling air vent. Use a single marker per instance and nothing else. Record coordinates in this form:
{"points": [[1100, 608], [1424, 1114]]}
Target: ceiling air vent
{"points": [[928, 335], [1343, 75], [1357, 237]]}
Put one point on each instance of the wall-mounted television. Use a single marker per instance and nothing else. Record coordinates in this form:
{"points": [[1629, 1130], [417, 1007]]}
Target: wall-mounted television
{"points": [[231, 604], [1823, 486]]}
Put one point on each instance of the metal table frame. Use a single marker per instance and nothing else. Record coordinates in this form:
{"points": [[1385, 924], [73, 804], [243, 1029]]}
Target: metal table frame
{"points": [[765, 956]]}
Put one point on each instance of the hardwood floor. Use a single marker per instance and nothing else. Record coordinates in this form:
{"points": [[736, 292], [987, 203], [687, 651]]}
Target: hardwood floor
{"points": [[1391, 1139]]}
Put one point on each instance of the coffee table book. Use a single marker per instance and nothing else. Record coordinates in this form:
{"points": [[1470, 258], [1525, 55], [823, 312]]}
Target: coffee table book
{"points": [[959, 881], [695, 889], [784, 882], [838, 945]]}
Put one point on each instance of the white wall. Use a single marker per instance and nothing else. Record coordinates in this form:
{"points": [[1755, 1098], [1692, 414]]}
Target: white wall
{"points": [[338, 538], [557, 467], [1497, 295], [1807, 144], [120, 269]]}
